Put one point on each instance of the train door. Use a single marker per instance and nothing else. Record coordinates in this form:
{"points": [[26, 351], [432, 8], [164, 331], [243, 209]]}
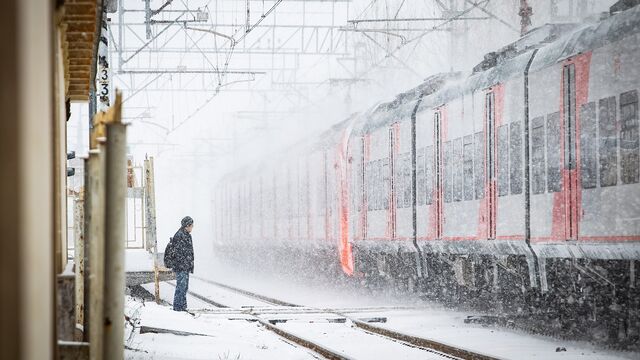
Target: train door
{"points": [[569, 151], [438, 175], [489, 207]]}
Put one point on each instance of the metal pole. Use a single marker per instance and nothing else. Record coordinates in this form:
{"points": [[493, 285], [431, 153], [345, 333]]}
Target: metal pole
{"points": [[525, 16], [115, 236], [95, 239], [150, 210], [78, 235], [120, 33], [150, 203]]}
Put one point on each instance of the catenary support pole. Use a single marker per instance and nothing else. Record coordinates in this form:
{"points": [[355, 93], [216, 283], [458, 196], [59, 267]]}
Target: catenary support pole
{"points": [[151, 242], [115, 235], [150, 204]]}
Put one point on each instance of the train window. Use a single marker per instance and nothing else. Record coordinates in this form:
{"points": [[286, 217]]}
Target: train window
{"points": [[554, 177], [403, 181], [588, 148], [608, 142], [398, 181], [407, 181], [629, 172], [372, 185], [457, 169], [467, 163], [358, 187], [380, 186], [421, 181], [537, 156], [515, 151], [503, 160], [385, 184], [368, 184], [320, 193], [429, 174], [478, 143], [377, 187], [448, 171]]}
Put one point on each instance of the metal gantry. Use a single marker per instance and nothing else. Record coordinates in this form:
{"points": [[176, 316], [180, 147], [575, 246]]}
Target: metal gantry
{"points": [[277, 50]]}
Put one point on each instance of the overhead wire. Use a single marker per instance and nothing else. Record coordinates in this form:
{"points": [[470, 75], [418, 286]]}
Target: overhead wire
{"points": [[229, 55]]}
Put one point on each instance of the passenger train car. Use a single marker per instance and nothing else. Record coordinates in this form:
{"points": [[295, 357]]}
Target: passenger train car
{"points": [[515, 185]]}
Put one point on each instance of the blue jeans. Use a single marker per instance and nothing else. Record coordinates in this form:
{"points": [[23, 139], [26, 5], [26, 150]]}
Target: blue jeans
{"points": [[180, 296]]}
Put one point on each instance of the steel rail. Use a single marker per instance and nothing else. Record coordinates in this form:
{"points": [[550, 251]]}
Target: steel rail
{"points": [[326, 352], [427, 344], [440, 347], [205, 299], [249, 293], [308, 344]]}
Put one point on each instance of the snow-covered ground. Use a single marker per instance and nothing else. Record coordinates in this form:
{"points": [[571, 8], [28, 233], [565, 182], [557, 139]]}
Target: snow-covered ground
{"points": [[219, 339], [233, 333], [318, 327]]}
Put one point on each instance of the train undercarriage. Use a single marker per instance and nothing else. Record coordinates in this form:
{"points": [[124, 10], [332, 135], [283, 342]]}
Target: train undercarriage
{"points": [[595, 300]]}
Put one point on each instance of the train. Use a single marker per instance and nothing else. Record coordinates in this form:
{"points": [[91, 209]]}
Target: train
{"points": [[513, 187]]}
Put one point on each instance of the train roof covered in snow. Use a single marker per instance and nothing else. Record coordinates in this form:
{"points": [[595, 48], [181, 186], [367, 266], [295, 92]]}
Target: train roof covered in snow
{"points": [[552, 43]]}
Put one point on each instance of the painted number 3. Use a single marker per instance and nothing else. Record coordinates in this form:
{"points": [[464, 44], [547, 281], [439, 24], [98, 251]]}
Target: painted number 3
{"points": [[105, 89]]}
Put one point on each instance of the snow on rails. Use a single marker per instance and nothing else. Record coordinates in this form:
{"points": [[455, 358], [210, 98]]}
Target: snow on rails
{"points": [[331, 334]]}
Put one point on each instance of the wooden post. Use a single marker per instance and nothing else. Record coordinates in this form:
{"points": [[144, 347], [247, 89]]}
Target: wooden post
{"points": [[115, 234], [78, 235], [150, 211]]}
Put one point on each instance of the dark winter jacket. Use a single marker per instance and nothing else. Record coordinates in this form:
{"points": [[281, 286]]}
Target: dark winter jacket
{"points": [[181, 251]]}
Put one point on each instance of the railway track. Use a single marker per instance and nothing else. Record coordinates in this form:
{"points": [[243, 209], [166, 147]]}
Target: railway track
{"points": [[273, 313]]}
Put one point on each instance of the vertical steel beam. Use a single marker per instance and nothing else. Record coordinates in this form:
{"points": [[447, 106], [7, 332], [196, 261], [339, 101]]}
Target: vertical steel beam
{"points": [[115, 235]]}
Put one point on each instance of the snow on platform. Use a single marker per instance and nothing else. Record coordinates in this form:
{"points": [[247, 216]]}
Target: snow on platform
{"points": [[221, 338]]}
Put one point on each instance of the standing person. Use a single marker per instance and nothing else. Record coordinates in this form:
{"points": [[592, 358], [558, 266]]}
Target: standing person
{"points": [[180, 256]]}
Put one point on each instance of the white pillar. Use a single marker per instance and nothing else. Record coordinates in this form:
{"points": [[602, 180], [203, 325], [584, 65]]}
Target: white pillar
{"points": [[115, 238]]}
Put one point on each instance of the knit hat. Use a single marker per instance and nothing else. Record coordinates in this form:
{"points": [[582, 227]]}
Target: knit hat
{"points": [[186, 221]]}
